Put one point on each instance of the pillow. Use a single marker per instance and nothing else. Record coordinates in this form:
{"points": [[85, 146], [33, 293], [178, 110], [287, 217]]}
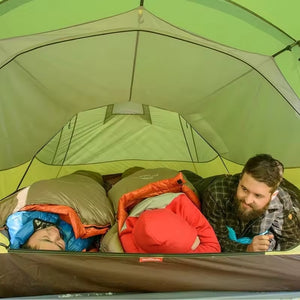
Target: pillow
{"points": [[110, 241], [7, 206], [139, 179], [81, 191]]}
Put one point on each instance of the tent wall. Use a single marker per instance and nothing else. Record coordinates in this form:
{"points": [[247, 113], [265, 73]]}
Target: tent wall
{"points": [[56, 273], [12, 179], [40, 171], [137, 57], [113, 138]]}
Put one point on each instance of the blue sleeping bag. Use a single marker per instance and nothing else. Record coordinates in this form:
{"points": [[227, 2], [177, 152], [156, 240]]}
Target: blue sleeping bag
{"points": [[20, 227]]}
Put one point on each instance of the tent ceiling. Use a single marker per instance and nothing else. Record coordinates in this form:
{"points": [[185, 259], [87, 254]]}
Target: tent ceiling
{"points": [[226, 94]]}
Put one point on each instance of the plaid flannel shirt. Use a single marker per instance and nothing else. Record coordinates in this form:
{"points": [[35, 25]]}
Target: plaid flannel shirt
{"points": [[280, 218]]}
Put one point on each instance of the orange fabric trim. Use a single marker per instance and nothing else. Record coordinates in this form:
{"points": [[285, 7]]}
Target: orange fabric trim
{"points": [[172, 185], [69, 215]]}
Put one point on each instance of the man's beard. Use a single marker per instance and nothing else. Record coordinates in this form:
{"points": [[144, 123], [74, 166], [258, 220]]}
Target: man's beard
{"points": [[248, 215]]}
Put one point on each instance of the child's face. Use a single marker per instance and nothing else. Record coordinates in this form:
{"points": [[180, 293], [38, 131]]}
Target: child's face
{"points": [[47, 239]]}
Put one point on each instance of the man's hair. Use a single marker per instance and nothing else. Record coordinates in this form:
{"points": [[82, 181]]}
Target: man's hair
{"points": [[264, 168]]}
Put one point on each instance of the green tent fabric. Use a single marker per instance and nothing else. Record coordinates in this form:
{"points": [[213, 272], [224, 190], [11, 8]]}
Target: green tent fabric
{"points": [[106, 85], [197, 84]]}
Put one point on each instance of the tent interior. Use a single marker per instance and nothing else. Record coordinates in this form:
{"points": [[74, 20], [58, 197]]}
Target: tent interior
{"points": [[150, 72], [195, 85]]}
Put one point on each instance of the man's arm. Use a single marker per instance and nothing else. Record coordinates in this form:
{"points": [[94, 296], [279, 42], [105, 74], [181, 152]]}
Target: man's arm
{"points": [[286, 230], [285, 223], [289, 195]]}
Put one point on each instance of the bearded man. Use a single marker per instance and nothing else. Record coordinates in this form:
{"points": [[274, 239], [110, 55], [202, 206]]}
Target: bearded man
{"points": [[251, 211]]}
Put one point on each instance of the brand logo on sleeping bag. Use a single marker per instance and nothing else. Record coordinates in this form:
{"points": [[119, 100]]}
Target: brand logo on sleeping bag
{"points": [[148, 176]]}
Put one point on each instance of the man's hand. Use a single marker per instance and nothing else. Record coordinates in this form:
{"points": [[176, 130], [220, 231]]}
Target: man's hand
{"points": [[260, 243]]}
